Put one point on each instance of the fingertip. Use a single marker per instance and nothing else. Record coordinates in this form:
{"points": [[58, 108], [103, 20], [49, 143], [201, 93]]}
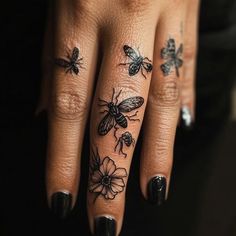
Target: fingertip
{"points": [[61, 204], [156, 190]]}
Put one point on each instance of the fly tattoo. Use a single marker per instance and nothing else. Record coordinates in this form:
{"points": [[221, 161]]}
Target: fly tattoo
{"points": [[127, 139], [172, 57], [138, 62], [114, 114], [73, 63]]}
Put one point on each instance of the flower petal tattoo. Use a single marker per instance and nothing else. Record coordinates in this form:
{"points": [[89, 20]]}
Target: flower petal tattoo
{"points": [[172, 57], [138, 62], [105, 179], [127, 139], [73, 63], [114, 113]]}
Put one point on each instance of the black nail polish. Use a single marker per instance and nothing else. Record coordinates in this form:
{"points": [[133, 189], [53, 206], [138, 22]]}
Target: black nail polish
{"points": [[61, 204], [186, 121], [157, 190], [104, 226]]}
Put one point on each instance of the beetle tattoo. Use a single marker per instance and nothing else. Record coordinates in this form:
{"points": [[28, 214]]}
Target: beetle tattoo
{"points": [[138, 62], [105, 179], [127, 139], [73, 63], [172, 57], [114, 114]]}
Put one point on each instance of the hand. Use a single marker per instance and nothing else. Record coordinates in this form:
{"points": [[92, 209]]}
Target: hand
{"points": [[146, 52]]}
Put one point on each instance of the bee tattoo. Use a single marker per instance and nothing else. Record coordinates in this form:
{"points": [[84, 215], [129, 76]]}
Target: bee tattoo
{"points": [[114, 114], [127, 139], [105, 178], [138, 62], [172, 57], [73, 63]]}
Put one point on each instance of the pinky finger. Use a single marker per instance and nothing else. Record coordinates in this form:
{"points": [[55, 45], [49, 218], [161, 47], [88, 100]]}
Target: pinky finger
{"points": [[190, 27]]}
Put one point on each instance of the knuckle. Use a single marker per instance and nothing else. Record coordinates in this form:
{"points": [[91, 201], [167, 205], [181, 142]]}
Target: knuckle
{"points": [[69, 105], [166, 94]]}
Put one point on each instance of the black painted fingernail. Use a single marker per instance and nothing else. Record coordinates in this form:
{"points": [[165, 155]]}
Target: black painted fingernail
{"points": [[157, 190], [104, 226], [61, 204], [186, 118]]}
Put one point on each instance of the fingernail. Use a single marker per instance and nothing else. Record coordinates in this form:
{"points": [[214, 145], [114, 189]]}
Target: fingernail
{"points": [[186, 118], [104, 226], [61, 204], [157, 190]]}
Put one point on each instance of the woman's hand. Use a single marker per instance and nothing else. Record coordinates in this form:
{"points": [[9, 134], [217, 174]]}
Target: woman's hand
{"points": [[145, 52]]}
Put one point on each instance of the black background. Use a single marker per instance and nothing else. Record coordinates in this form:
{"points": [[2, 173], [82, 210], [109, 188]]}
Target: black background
{"points": [[202, 195]]}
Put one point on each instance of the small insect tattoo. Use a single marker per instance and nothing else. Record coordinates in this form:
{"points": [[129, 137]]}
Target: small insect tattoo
{"points": [[127, 139], [114, 114], [73, 63], [105, 178], [138, 62], [172, 57]]}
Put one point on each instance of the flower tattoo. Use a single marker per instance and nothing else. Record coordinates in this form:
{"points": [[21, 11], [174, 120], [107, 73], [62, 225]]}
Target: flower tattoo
{"points": [[106, 179]]}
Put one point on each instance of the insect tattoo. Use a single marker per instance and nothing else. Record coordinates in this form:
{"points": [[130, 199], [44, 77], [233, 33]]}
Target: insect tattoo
{"points": [[114, 113], [138, 62], [105, 179], [73, 63], [172, 57], [127, 139]]}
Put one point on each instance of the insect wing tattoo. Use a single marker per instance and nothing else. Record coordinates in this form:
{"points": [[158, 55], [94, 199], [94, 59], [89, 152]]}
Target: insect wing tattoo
{"points": [[115, 112], [73, 63], [172, 57], [106, 179], [127, 139], [138, 62]]}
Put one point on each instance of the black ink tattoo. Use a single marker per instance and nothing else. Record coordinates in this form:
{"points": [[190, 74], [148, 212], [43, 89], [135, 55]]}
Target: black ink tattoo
{"points": [[172, 57], [105, 179], [72, 64], [127, 139], [115, 112], [138, 62]]}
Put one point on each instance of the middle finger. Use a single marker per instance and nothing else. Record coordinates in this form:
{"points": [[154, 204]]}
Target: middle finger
{"points": [[120, 96]]}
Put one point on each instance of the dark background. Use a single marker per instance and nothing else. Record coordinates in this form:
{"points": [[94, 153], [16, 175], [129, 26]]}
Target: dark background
{"points": [[202, 195]]}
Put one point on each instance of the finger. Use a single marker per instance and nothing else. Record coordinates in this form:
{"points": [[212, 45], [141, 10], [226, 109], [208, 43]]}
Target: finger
{"points": [[190, 27], [162, 111], [73, 73], [117, 116]]}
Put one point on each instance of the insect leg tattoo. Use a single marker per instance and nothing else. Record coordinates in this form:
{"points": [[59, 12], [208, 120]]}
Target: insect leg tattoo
{"points": [[72, 63], [137, 63], [172, 57], [127, 139], [105, 178], [115, 113]]}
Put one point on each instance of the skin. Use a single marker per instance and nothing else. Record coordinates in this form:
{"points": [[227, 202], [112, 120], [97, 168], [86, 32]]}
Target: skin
{"points": [[106, 28]]}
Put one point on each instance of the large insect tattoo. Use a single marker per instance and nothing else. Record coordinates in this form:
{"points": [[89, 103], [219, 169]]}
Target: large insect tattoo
{"points": [[115, 116], [127, 139], [105, 179], [73, 63], [138, 62], [172, 57]]}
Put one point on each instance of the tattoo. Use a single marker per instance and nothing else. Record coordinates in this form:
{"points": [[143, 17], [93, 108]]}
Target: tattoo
{"points": [[105, 179], [114, 113], [72, 64], [138, 62], [127, 139], [172, 57]]}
